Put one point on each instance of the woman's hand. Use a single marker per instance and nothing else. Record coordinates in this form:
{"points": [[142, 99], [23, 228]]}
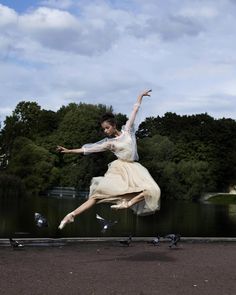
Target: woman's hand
{"points": [[63, 150], [146, 93]]}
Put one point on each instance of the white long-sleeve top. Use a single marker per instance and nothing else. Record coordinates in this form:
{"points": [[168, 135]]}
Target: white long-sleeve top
{"points": [[123, 146]]}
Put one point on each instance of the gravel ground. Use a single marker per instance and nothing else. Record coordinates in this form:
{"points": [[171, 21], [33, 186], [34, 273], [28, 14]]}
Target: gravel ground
{"points": [[109, 268]]}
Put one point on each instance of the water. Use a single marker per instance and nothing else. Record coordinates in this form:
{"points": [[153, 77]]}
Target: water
{"points": [[187, 218]]}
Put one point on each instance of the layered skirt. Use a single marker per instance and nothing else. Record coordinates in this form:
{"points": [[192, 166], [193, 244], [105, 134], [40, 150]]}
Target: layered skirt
{"points": [[125, 179]]}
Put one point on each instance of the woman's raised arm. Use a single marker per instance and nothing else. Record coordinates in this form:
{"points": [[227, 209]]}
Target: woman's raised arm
{"points": [[129, 124]]}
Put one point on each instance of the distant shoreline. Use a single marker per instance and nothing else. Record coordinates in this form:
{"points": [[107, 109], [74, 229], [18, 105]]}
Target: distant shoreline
{"points": [[219, 197]]}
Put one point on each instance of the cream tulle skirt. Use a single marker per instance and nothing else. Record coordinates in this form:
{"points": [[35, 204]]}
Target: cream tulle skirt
{"points": [[125, 180]]}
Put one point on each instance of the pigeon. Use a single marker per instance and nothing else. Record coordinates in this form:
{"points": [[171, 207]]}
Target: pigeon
{"points": [[174, 239], [106, 224], [15, 244], [155, 241], [40, 220], [126, 242]]}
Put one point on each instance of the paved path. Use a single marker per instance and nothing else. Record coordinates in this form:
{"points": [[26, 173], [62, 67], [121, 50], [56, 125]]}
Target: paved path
{"points": [[108, 268]]}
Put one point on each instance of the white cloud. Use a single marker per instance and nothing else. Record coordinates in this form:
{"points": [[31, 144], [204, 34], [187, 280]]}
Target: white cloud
{"points": [[60, 30], [7, 16], [106, 52], [199, 11], [45, 18]]}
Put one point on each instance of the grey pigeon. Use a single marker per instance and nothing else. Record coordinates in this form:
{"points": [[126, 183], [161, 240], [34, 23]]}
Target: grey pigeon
{"points": [[155, 241], [106, 224], [174, 239], [126, 242], [40, 220], [15, 244]]}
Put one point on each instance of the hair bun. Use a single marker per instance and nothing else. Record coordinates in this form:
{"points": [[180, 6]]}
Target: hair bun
{"points": [[108, 116]]}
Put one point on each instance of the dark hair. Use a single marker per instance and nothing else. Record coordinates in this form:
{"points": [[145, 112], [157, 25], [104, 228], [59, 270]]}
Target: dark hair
{"points": [[108, 117]]}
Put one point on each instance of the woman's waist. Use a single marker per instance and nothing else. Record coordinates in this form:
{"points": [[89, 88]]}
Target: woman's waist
{"points": [[126, 160], [123, 160]]}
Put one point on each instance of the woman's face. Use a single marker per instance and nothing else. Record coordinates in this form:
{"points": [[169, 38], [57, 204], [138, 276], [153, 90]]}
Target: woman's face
{"points": [[108, 128]]}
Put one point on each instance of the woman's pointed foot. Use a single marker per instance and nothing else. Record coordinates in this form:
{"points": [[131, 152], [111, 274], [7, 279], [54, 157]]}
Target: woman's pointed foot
{"points": [[69, 218], [122, 205]]}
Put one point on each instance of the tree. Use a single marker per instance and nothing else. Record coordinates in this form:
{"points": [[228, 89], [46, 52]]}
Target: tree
{"points": [[33, 164], [180, 179], [186, 155]]}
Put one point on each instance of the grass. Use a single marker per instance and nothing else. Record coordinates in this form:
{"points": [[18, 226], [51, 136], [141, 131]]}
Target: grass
{"points": [[223, 199]]}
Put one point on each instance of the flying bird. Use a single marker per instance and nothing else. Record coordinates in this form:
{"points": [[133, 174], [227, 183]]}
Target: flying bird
{"points": [[174, 239], [106, 224], [126, 242], [155, 241], [40, 220], [15, 244]]}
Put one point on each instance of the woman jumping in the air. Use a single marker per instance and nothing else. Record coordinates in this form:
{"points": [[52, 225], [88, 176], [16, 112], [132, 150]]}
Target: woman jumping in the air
{"points": [[126, 183]]}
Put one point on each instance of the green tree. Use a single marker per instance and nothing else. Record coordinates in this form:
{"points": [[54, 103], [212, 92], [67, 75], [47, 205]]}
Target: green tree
{"points": [[33, 164], [184, 179]]}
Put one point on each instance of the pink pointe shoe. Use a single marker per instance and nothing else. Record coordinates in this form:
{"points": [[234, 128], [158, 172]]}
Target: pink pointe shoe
{"points": [[122, 205], [69, 218]]}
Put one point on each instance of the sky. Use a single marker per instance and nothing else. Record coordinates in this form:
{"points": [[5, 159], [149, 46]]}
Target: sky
{"points": [[56, 52]]}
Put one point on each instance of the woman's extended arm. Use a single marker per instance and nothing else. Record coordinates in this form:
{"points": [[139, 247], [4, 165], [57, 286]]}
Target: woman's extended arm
{"points": [[64, 150], [130, 122], [89, 148]]}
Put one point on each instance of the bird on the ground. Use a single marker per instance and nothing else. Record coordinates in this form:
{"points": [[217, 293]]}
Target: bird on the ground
{"points": [[174, 239], [15, 244], [155, 241], [126, 242], [40, 220], [106, 224]]}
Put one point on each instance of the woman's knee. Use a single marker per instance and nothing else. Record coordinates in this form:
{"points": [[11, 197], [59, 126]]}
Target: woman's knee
{"points": [[92, 199]]}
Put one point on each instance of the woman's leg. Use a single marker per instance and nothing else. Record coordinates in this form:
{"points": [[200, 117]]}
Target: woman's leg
{"points": [[126, 204], [70, 216], [136, 199], [85, 206]]}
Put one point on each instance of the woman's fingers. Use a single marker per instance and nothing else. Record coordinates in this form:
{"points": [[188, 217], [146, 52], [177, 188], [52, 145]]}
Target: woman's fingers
{"points": [[60, 148], [147, 92]]}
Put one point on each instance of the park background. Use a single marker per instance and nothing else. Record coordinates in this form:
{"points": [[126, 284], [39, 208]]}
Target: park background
{"points": [[64, 63]]}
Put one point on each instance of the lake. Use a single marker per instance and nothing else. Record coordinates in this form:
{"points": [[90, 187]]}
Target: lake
{"points": [[187, 218]]}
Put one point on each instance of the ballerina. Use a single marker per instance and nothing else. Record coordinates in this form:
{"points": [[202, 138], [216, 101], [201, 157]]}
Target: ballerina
{"points": [[126, 184]]}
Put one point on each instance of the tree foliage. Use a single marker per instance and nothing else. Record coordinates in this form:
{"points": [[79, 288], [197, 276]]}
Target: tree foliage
{"points": [[186, 155], [199, 139]]}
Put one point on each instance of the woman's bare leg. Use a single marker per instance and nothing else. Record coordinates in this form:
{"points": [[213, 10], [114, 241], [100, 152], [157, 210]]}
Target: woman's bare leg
{"points": [[85, 206], [136, 199], [70, 216], [126, 204]]}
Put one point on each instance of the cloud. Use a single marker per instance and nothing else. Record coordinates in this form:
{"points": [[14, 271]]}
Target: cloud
{"points": [[199, 11], [8, 16], [217, 105], [173, 23], [174, 27], [60, 30], [108, 51]]}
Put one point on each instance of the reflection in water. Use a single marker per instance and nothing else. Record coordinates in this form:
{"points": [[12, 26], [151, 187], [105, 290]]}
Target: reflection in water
{"points": [[232, 212], [186, 218]]}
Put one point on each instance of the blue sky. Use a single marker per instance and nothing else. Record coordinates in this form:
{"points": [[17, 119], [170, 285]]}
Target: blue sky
{"points": [[61, 51], [20, 5]]}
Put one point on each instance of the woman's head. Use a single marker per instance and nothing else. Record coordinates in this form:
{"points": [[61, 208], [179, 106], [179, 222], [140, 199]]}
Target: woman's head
{"points": [[108, 123]]}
